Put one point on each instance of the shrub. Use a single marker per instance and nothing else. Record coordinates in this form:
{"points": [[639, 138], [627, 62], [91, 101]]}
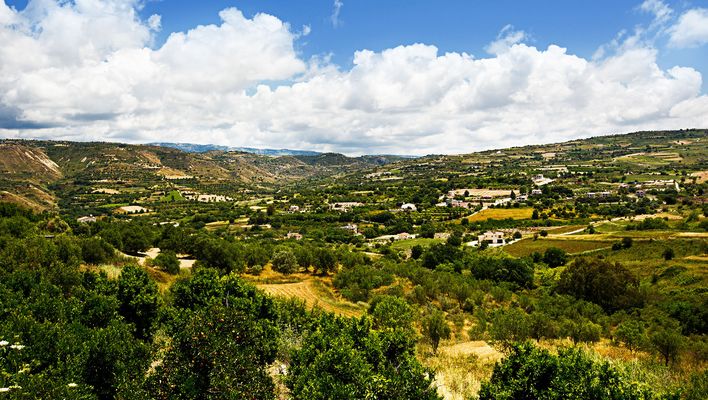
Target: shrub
{"points": [[609, 285], [533, 373], [167, 261]]}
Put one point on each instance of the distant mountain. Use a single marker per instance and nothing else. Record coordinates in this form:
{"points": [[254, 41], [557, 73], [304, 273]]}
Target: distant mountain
{"points": [[204, 148]]}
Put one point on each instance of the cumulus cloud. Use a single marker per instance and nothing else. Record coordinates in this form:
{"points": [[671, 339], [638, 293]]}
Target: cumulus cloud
{"points": [[241, 82], [691, 30]]}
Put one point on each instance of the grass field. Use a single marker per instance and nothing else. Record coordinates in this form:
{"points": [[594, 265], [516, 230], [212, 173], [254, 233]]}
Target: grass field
{"points": [[408, 244], [174, 195], [528, 246], [502, 213], [316, 294]]}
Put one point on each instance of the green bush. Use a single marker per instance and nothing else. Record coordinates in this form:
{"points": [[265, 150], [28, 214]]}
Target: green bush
{"points": [[533, 373]]}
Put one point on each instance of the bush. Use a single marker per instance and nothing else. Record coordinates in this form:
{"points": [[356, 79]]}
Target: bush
{"points": [[96, 251], [609, 285], [533, 373], [284, 261], [555, 257], [167, 261]]}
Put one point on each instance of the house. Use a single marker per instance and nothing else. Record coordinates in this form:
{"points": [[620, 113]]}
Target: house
{"points": [[404, 236], [493, 238], [293, 235], [409, 207], [294, 209], [641, 193], [345, 206], [536, 192], [86, 219], [351, 227]]}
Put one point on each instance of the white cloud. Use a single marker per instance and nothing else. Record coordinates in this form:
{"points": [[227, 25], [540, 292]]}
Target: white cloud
{"points": [[506, 38], [336, 9], [155, 22], [242, 83], [691, 30], [662, 12]]}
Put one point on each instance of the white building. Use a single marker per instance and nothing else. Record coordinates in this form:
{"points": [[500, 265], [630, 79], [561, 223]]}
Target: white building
{"points": [[409, 207], [493, 238], [86, 219]]}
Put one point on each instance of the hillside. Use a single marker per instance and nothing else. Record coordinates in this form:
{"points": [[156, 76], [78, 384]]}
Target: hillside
{"points": [[30, 168]]}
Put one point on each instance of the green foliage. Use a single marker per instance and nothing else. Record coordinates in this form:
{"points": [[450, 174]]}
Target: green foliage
{"points": [[357, 283], [96, 250], [345, 359], [508, 327], [631, 333], [390, 312], [555, 257], [284, 261], [609, 285], [167, 261], [533, 373], [435, 328], [139, 299], [501, 269], [217, 352]]}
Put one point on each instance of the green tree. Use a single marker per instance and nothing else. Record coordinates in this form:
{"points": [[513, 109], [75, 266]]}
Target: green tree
{"points": [[167, 261], [284, 261], [666, 340], [533, 373], [632, 333], [509, 326], [435, 328], [555, 257], [139, 299], [390, 312], [217, 352], [611, 286]]}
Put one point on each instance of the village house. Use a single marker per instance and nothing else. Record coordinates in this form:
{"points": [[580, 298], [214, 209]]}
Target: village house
{"points": [[345, 206], [86, 219], [294, 209], [293, 235], [493, 238], [536, 192], [351, 227], [409, 207]]}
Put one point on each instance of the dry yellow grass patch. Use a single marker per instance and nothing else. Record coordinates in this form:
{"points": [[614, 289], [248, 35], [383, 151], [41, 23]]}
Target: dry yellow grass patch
{"points": [[460, 368], [316, 294], [502, 213]]}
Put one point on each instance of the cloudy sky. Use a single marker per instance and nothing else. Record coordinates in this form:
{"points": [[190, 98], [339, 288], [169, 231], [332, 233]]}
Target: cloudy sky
{"points": [[353, 76]]}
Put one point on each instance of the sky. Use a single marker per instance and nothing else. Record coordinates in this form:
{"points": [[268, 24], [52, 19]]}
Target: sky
{"points": [[408, 77]]}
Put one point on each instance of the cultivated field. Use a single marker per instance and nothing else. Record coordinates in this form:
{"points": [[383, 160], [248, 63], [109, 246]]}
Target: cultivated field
{"points": [[502, 213]]}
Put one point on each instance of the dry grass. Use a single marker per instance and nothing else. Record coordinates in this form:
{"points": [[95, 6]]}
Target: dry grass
{"points": [[315, 292], [484, 192], [528, 246], [502, 213], [460, 368]]}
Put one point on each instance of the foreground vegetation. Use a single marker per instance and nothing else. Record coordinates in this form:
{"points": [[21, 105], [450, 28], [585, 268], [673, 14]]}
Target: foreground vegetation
{"points": [[325, 287]]}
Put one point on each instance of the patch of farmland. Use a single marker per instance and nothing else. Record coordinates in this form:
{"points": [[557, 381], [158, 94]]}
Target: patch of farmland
{"points": [[526, 247], [502, 213], [315, 294]]}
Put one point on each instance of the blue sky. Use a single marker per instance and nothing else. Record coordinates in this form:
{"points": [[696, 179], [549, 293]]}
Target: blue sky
{"points": [[649, 37]]}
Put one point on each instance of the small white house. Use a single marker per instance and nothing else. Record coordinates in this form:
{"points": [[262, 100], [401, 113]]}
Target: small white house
{"points": [[86, 219], [493, 238], [409, 207], [293, 235]]}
